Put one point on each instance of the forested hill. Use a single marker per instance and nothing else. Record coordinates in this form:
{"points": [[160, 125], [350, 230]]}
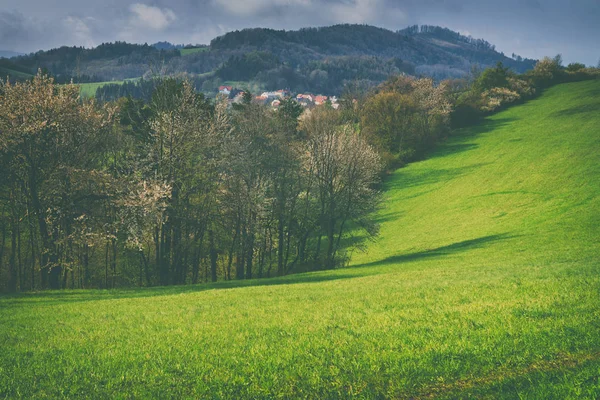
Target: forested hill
{"points": [[319, 59], [420, 46]]}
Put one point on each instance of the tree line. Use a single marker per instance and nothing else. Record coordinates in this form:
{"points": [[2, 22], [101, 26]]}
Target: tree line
{"points": [[174, 190]]}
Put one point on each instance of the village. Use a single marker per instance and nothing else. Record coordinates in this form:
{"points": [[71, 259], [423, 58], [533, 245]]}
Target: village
{"points": [[274, 98]]}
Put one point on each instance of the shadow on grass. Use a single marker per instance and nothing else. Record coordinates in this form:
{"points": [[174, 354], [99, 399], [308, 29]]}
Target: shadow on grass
{"points": [[84, 295], [440, 251], [574, 111], [390, 216], [411, 178], [538, 380], [457, 143], [444, 150], [483, 126], [73, 296]]}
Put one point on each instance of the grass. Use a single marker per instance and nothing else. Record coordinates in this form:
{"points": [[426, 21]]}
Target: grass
{"points": [[7, 72], [251, 86], [89, 89], [484, 283], [193, 50]]}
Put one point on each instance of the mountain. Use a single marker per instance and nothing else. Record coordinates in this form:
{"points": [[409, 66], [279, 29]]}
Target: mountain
{"points": [[318, 59], [421, 46]]}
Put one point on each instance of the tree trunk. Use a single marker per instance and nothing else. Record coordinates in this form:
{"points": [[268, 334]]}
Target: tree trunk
{"points": [[142, 266], [20, 274], [250, 247], [280, 245], [165, 254], [213, 256], [50, 274], [86, 266], [106, 266], [240, 261], [114, 262], [287, 251], [330, 235], [12, 262], [270, 253], [157, 249], [198, 254], [330, 241], [231, 250], [2, 244], [196, 265], [32, 244]]}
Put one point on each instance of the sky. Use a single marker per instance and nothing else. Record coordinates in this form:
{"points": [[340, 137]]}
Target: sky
{"points": [[530, 28]]}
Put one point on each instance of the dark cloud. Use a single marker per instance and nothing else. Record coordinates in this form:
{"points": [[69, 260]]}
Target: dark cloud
{"points": [[14, 28], [531, 28]]}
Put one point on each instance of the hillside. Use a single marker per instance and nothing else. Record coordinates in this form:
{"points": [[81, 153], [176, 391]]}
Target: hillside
{"points": [[421, 46], [312, 59], [483, 283], [9, 69]]}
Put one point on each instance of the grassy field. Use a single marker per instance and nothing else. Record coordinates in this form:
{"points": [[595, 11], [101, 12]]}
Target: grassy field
{"points": [[6, 72], [185, 52], [89, 89], [484, 283], [252, 86]]}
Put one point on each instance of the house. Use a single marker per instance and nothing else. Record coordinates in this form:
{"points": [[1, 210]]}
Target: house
{"points": [[225, 90], [275, 103], [262, 99], [273, 95], [305, 99], [235, 92], [320, 100], [238, 97]]}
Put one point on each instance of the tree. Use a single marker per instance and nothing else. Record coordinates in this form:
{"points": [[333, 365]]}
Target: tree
{"points": [[492, 78], [405, 117], [50, 139], [387, 122], [179, 130], [345, 168], [574, 67], [547, 71]]}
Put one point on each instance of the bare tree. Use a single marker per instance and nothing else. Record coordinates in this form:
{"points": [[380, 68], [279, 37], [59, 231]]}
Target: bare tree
{"points": [[346, 169]]}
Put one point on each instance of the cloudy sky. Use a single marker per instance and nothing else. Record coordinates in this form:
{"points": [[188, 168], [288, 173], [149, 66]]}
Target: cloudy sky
{"points": [[531, 28]]}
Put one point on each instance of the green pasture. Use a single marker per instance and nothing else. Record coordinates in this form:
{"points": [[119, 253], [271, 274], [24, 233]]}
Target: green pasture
{"points": [[484, 283]]}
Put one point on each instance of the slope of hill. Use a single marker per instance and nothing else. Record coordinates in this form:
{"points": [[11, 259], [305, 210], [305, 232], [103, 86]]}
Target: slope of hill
{"points": [[106, 62], [301, 57], [11, 70], [483, 284]]}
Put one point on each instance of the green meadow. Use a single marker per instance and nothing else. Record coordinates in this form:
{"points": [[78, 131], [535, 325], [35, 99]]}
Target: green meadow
{"points": [[483, 283], [6, 72], [89, 89]]}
